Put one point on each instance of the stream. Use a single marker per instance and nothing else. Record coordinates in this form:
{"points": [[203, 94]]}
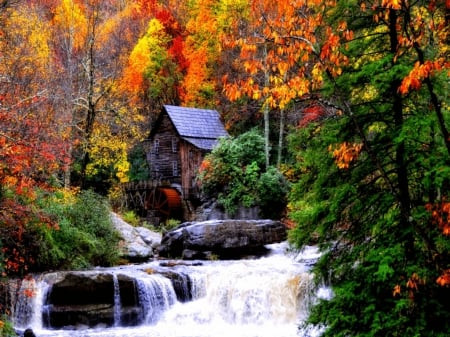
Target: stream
{"points": [[264, 297]]}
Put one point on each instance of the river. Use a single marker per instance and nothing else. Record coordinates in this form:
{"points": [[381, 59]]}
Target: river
{"points": [[264, 297]]}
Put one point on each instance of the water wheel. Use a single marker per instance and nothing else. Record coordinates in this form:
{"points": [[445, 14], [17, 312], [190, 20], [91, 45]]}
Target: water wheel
{"points": [[164, 203]]}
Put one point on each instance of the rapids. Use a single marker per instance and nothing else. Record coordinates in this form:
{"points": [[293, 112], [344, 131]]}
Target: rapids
{"points": [[264, 297]]}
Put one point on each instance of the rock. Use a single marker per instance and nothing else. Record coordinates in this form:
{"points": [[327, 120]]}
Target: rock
{"points": [[79, 299], [138, 243], [29, 333], [221, 238]]}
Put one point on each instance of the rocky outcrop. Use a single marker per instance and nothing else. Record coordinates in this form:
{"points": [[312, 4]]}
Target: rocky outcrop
{"points": [[221, 239], [138, 243], [125, 297], [87, 299]]}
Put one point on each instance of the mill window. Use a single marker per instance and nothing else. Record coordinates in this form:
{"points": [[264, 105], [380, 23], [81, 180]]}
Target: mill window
{"points": [[175, 168], [174, 144], [156, 146]]}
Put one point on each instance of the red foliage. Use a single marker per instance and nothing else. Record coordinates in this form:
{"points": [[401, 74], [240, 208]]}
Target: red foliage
{"points": [[31, 151], [312, 113], [176, 51]]}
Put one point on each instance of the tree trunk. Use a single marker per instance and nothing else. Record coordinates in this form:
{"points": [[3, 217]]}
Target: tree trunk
{"points": [[266, 115], [91, 102], [280, 139]]}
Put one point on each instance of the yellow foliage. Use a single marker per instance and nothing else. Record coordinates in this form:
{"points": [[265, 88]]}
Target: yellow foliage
{"points": [[122, 167], [70, 19], [140, 60], [229, 12], [369, 92], [32, 43], [108, 150]]}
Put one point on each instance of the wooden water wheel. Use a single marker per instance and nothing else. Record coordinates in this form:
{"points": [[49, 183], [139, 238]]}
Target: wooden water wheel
{"points": [[164, 203]]}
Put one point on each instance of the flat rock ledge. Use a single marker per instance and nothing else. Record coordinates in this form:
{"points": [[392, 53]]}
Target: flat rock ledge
{"points": [[221, 239]]}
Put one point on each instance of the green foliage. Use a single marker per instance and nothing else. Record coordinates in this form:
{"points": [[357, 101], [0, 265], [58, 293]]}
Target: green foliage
{"points": [[20, 225], [131, 218], [139, 169], [384, 249], [6, 327], [85, 237], [169, 225], [162, 227], [234, 171], [272, 191]]}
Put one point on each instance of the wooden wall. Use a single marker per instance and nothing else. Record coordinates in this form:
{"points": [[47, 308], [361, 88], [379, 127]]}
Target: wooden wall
{"points": [[191, 158], [160, 153], [161, 158]]}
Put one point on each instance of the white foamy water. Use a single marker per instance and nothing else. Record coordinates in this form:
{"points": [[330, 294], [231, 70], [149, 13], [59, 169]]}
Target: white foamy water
{"points": [[263, 297]]}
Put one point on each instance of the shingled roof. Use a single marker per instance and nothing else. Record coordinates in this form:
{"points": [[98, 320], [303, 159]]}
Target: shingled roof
{"points": [[200, 127]]}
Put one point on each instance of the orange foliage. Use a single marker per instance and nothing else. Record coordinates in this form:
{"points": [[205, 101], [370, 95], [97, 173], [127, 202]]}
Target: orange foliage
{"points": [[205, 168], [283, 47], [412, 285], [397, 290], [440, 215], [444, 279], [394, 4], [420, 71], [345, 153], [200, 51]]}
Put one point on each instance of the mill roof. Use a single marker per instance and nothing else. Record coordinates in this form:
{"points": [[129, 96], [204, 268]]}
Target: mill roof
{"points": [[200, 127]]}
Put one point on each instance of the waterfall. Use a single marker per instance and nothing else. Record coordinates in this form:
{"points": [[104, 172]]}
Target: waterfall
{"points": [[156, 295], [29, 297], [117, 304], [263, 297], [255, 296]]}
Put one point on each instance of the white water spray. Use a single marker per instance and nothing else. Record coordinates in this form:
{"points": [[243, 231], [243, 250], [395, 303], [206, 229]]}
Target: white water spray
{"points": [[265, 297]]}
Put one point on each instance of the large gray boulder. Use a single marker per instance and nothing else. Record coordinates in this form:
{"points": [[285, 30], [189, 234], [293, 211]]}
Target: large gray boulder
{"points": [[221, 238], [138, 243]]}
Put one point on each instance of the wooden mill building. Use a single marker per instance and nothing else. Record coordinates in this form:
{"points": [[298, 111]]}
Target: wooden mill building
{"points": [[175, 148]]}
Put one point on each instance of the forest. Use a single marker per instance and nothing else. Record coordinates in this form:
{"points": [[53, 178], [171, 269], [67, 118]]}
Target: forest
{"points": [[350, 99]]}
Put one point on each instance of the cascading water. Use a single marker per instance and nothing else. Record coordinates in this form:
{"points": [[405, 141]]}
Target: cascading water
{"points": [[156, 295], [117, 302], [262, 297]]}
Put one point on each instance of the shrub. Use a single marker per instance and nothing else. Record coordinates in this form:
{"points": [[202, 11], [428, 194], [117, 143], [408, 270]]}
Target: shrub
{"points": [[234, 173], [139, 169], [86, 236], [6, 327], [131, 218], [272, 191]]}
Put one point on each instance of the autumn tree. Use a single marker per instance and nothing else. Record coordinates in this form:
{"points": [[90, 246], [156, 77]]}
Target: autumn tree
{"points": [[32, 149], [373, 184], [91, 42], [282, 55], [151, 70]]}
